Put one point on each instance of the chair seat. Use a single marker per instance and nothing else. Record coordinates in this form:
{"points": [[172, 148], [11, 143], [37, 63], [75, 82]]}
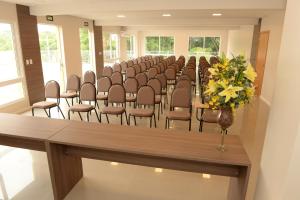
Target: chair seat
{"points": [[140, 112], [113, 110], [69, 95], [81, 108], [210, 116], [130, 98], [102, 97], [157, 99], [179, 115], [44, 104]]}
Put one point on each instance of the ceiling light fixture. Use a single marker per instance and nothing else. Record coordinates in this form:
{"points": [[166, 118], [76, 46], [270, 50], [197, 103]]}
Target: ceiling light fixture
{"points": [[121, 16], [206, 176], [217, 14], [166, 15], [158, 170], [114, 163]]}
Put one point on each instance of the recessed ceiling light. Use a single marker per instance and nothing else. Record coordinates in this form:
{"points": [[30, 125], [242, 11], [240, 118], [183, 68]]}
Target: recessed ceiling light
{"points": [[121, 16], [206, 176], [217, 14], [158, 170], [166, 15]]}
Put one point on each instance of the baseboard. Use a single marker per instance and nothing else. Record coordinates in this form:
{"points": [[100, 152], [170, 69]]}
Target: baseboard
{"points": [[265, 100]]}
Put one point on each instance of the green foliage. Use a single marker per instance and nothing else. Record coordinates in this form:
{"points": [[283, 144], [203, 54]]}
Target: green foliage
{"points": [[6, 42], [84, 39], [204, 45], [48, 40], [152, 44], [160, 45]]}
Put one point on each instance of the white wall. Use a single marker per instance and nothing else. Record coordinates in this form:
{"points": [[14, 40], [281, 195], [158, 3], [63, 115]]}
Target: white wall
{"points": [[69, 26], [240, 41], [279, 175], [8, 14], [274, 24]]}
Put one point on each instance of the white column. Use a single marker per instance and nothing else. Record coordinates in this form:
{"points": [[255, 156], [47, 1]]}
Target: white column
{"points": [[280, 166]]}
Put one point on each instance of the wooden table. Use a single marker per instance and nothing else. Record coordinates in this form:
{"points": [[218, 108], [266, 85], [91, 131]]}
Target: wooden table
{"points": [[69, 141]]}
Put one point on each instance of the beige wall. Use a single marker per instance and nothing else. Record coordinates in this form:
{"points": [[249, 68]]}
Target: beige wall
{"points": [[240, 41], [8, 14], [279, 175], [69, 26], [274, 24]]}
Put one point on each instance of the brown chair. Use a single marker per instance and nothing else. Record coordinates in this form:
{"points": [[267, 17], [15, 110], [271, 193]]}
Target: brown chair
{"points": [[116, 96], [130, 72], [131, 88], [89, 77], [103, 85], [142, 79], [117, 67], [123, 67], [137, 68], [180, 98], [156, 85], [163, 80], [116, 78], [130, 63], [207, 115], [52, 91], [152, 73], [145, 98], [143, 67], [107, 71], [72, 90], [171, 76], [184, 84], [87, 94]]}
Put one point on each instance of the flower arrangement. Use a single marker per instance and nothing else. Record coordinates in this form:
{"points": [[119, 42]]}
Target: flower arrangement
{"points": [[231, 83]]}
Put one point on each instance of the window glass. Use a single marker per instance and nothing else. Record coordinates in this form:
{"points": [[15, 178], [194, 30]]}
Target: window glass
{"points": [[85, 49], [159, 45], [204, 46]]}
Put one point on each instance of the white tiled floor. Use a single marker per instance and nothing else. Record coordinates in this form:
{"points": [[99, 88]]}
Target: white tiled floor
{"points": [[25, 174]]}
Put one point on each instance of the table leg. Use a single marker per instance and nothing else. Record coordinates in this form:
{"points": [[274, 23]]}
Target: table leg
{"points": [[238, 185], [65, 170]]}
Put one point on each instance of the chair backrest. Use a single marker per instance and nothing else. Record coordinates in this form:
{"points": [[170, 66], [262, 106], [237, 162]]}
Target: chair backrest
{"points": [[184, 77], [103, 84], [141, 79], [107, 71], [130, 72], [145, 96], [181, 97], [52, 90], [163, 80], [191, 73], [117, 67], [123, 66], [87, 92], [137, 68], [116, 94], [73, 83], [156, 85], [135, 62], [148, 64], [131, 85], [130, 63], [184, 84], [170, 74], [152, 73], [89, 77], [143, 67], [116, 78]]}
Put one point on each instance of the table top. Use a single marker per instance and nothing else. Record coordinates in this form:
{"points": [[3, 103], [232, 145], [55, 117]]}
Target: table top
{"points": [[28, 127], [183, 145]]}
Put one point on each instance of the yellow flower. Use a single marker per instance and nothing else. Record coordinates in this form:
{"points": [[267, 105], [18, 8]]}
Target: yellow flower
{"points": [[250, 92], [250, 73], [230, 92], [213, 71], [212, 87], [215, 99], [223, 83]]}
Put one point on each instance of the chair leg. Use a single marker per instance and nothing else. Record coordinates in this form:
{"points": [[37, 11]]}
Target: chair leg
{"points": [[122, 119], [67, 102], [72, 101], [32, 111], [166, 123], [46, 112], [87, 116], [97, 104], [107, 118], [134, 120], [154, 120], [99, 119], [161, 108], [201, 126], [80, 116], [126, 118], [61, 112], [190, 124], [49, 112], [158, 111], [151, 121]]}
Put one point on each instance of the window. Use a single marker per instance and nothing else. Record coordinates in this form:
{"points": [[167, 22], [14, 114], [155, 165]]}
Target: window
{"points": [[204, 46], [159, 45], [111, 48], [130, 47], [85, 49], [11, 87]]}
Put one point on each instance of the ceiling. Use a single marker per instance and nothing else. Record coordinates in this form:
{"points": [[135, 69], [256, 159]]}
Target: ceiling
{"points": [[149, 12]]}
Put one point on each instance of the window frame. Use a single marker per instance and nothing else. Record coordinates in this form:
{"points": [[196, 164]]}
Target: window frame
{"points": [[203, 36], [91, 47], [159, 45], [117, 58], [19, 65]]}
